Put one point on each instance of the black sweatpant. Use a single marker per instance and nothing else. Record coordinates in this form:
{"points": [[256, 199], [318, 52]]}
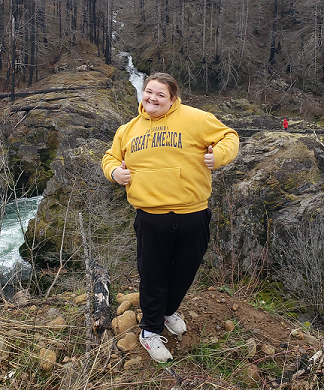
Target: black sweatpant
{"points": [[170, 248]]}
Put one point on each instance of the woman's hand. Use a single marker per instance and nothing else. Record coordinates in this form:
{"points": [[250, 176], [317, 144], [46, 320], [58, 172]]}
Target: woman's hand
{"points": [[122, 174], [209, 158]]}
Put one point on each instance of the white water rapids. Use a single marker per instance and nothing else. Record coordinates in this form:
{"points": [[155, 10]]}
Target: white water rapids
{"points": [[15, 220]]}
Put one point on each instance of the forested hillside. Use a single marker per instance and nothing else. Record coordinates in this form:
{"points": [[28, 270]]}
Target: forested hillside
{"points": [[270, 51]]}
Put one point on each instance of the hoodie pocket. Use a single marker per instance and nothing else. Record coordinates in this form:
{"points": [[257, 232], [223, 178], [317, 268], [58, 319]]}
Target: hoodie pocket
{"points": [[156, 188]]}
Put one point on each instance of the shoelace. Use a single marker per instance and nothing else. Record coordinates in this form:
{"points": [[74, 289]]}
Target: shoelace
{"points": [[173, 318], [156, 341]]}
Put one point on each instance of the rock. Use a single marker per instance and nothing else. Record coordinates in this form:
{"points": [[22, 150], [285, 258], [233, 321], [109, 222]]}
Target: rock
{"points": [[235, 306], [119, 296], [33, 309], [211, 340], [252, 347], [298, 334], [125, 305], [133, 363], [124, 322], [300, 385], [81, 68], [127, 343], [21, 298], [57, 323], [47, 359], [80, 299], [193, 314], [311, 340], [268, 349], [253, 376], [4, 349], [296, 192], [52, 312], [229, 325], [133, 298], [214, 340]]}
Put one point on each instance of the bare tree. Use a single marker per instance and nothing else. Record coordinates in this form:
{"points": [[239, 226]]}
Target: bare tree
{"points": [[13, 59], [109, 31], [2, 40], [300, 258], [32, 42]]}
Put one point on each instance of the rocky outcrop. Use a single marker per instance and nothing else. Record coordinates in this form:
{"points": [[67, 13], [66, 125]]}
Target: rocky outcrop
{"points": [[38, 127], [274, 183], [78, 185]]}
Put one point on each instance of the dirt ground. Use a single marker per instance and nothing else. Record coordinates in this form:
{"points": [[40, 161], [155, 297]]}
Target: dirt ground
{"points": [[276, 341]]}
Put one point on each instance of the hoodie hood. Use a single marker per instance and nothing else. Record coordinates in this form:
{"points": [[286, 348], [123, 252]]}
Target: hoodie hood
{"points": [[145, 115]]}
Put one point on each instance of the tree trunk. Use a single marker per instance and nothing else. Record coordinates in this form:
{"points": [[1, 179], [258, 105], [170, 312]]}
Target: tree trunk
{"points": [[32, 43], [1, 31], [158, 28], [26, 39], [109, 32], [13, 59], [41, 6], [274, 32]]}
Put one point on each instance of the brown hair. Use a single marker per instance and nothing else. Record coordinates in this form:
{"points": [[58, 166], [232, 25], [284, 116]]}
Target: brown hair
{"points": [[166, 79]]}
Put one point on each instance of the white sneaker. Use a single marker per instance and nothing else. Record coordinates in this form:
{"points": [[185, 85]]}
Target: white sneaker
{"points": [[175, 324], [155, 347]]}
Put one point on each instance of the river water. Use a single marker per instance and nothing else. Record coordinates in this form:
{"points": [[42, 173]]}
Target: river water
{"points": [[11, 236]]}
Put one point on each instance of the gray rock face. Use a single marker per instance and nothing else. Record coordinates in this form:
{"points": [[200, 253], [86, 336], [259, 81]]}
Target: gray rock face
{"points": [[274, 183]]}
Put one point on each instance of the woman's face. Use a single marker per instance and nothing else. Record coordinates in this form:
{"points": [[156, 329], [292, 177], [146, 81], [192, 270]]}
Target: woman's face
{"points": [[156, 98]]}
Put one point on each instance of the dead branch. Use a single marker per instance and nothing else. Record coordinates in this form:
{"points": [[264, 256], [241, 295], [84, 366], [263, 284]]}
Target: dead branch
{"points": [[317, 139], [310, 365], [88, 288]]}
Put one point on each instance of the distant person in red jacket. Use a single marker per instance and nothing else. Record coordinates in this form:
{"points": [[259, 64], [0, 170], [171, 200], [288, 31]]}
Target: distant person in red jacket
{"points": [[285, 124]]}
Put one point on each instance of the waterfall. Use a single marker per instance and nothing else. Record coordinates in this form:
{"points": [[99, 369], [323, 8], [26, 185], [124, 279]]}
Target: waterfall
{"points": [[135, 77]]}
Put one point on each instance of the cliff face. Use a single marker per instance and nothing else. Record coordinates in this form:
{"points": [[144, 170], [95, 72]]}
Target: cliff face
{"points": [[275, 183]]}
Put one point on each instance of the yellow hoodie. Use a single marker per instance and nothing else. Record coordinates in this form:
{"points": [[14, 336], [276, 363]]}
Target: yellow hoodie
{"points": [[165, 156]]}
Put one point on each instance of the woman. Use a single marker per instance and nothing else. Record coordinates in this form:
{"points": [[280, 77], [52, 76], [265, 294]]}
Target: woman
{"points": [[164, 157]]}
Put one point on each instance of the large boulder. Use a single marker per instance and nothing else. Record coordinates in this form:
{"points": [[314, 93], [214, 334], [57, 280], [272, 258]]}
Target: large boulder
{"points": [[275, 182]]}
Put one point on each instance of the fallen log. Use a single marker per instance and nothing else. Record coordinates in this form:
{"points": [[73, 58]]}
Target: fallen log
{"points": [[101, 318], [97, 286]]}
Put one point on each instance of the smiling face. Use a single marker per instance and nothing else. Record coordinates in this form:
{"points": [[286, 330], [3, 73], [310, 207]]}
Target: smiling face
{"points": [[156, 99]]}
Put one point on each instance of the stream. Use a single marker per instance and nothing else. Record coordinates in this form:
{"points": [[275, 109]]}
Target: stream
{"points": [[16, 218]]}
